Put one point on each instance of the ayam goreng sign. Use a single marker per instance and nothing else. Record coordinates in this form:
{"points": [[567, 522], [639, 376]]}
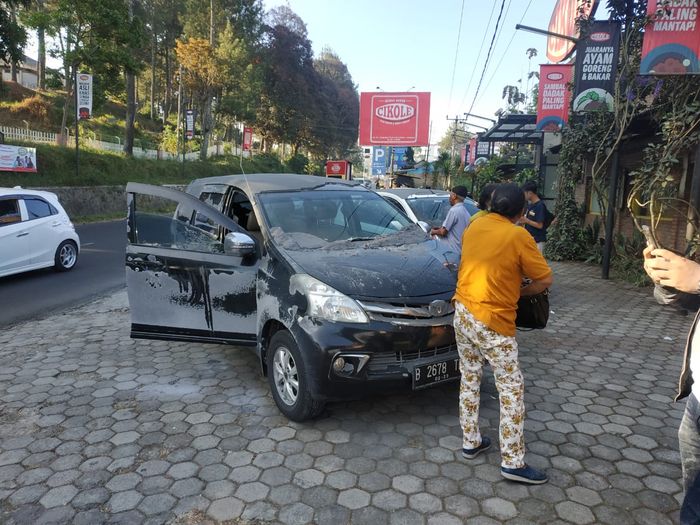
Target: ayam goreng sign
{"points": [[596, 65], [394, 119]]}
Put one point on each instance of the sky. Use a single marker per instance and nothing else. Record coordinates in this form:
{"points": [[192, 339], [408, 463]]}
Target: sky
{"points": [[400, 45]]}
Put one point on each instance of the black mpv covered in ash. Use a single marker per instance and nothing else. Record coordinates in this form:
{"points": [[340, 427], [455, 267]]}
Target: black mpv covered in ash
{"points": [[339, 293]]}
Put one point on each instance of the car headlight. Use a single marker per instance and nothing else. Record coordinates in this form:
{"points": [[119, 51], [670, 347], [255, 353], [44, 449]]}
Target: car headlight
{"points": [[326, 302]]}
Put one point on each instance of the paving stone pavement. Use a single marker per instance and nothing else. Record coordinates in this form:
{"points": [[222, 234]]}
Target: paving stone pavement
{"points": [[98, 428]]}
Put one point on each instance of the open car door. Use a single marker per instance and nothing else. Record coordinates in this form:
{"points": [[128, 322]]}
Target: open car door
{"points": [[190, 270]]}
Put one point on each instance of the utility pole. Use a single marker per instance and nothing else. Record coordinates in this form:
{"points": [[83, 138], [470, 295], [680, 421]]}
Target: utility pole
{"points": [[77, 122], [179, 111], [456, 122]]}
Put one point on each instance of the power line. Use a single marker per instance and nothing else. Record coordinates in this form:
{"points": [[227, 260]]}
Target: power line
{"points": [[478, 56], [454, 65], [505, 52], [488, 56]]}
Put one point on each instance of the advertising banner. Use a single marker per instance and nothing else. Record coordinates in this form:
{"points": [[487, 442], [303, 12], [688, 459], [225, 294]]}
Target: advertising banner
{"points": [[596, 64], [563, 22], [483, 150], [189, 124], [380, 157], [554, 97], [17, 158], [84, 96], [463, 155], [247, 138], [396, 119], [672, 39], [472, 150]]}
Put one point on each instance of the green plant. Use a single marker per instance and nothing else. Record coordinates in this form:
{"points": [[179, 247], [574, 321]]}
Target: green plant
{"points": [[297, 163], [626, 261]]}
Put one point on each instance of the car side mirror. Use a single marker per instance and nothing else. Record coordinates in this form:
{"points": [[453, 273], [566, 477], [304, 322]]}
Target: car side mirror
{"points": [[238, 244], [424, 226]]}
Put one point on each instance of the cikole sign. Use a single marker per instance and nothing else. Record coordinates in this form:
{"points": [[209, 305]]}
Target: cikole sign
{"points": [[394, 119], [563, 22]]}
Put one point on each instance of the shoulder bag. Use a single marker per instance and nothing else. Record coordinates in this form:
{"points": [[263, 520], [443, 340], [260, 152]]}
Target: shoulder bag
{"points": [[533, 311]]}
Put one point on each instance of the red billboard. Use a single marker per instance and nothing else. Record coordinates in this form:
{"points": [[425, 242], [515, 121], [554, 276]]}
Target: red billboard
{"points": [[563, 22], [554, 96], [247, 138], [472, 150], [394, 119], [671, 39], [337, 168]]}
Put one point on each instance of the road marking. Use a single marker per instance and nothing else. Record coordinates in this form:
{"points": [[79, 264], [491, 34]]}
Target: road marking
{"points": [[88, 244]]}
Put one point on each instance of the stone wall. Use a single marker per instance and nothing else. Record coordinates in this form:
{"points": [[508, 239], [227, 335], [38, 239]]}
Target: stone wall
{"points": [[86, 201]]}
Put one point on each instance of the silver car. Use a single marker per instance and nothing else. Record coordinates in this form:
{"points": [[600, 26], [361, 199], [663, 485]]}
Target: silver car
{"points": [[424, 205]]}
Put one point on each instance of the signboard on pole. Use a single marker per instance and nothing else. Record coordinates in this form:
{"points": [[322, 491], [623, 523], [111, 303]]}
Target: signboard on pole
{"points": [[483, 150], [337, 169], [83, 86], [247, 138], [554, 97], [472, 150], [17, 158], [463, 155], [398, 119], [672, 39], [596, 64], [189, 124], [380, 156]]}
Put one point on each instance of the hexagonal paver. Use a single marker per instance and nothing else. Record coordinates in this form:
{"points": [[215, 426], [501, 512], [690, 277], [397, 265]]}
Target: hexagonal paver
{"points": [[225, 509], [407, 484], [354, 498]]}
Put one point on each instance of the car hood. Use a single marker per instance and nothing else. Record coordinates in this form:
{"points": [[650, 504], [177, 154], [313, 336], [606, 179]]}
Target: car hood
{"points": [[373, 270]]}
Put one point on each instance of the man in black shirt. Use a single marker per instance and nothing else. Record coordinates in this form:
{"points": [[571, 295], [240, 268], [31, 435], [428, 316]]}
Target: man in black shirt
{"points": [[534, 217]]}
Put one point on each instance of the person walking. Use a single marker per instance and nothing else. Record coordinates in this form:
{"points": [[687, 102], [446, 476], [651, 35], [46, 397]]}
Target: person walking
{"points": [[535, 215], [456, 221], [488, 288], [484, 201], [677, 282]]}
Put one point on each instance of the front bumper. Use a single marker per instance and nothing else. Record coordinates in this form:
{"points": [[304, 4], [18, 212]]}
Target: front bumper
{"points": [[383, 354]]}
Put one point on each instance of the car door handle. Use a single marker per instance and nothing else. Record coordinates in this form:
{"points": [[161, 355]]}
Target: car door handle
{"points": [[23, 234], [54, 224]]}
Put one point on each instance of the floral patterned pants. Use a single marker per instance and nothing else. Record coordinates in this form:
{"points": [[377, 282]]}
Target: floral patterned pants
{"points": [[476, 342]]}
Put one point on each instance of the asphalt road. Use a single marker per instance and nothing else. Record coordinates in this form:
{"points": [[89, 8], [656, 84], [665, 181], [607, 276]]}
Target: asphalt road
{"points": [[41, 293]]}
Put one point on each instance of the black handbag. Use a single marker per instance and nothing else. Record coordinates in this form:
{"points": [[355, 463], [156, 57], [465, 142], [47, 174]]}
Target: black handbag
{"points": [[533, 311]]}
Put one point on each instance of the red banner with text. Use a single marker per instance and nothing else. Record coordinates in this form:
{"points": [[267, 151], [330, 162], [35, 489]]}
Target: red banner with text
{"points": [[671, 39], [554, 96]]}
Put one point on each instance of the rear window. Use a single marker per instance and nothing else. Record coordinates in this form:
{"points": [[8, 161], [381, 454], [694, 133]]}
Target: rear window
{"points": [[38, 208]]}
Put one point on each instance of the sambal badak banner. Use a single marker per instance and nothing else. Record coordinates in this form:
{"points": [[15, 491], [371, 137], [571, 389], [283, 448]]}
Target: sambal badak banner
{"points": [[554, 97], [394, 119], [672, 39], [596, 64], [17, 158]]}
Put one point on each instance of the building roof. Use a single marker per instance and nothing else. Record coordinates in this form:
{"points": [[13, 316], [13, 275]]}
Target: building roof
{"points": [[514, 128]]}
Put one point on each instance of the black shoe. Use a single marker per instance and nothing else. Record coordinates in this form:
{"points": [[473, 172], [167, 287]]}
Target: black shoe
{"points": [[471, 453], [525, 474]]}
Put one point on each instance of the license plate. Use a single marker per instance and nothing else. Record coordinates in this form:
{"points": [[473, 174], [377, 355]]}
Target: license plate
{"points": [[437, 372]]}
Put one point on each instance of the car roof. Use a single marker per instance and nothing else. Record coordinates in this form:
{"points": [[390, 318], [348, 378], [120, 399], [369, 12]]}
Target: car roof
{"points": [[262, 182], [405, 193], [18, 190]]}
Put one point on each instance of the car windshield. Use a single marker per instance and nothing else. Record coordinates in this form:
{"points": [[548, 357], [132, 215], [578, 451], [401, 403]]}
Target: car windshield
{"points": [[317, 218], [433, 209]]}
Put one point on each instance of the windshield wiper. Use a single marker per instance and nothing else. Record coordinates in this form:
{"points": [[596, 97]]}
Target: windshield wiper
{"points": [[353, 239]]}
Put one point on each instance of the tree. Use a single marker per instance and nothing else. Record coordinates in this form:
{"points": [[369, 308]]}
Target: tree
{"points": [[514, 98], [13, 36], [203, 75]]}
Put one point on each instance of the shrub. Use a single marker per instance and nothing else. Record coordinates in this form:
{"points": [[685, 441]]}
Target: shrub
{"points": [[297, 163], [34, 108]]}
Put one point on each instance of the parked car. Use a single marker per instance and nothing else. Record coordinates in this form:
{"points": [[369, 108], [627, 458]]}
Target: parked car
{"points": [[35, 232], [424, 205], [338, 293]]}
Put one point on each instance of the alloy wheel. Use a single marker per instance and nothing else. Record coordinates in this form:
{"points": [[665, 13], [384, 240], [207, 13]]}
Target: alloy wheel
{"points": [[67, 255], [286, 376]]}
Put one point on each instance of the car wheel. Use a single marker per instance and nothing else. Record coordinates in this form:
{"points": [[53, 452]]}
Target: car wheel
{"points": [[288, 379], [66, 256]]}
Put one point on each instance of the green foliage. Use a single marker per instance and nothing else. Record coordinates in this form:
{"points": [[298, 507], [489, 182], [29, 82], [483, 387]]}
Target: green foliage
{"points": [[13, 37], [626, 264], [56, 167], [297, 163]]}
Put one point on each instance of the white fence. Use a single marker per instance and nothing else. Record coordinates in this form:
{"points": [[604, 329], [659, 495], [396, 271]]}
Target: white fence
{"points": [[30, 135]]}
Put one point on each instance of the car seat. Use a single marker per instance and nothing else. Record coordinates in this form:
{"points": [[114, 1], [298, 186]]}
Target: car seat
{"points": [[320, 215]]}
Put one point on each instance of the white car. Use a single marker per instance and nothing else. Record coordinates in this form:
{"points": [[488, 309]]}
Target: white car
{"points": [[423, 205], [35, 232]]}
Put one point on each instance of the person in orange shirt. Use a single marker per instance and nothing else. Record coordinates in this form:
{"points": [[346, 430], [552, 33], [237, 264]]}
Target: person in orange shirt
{"points": [[496, 256]]}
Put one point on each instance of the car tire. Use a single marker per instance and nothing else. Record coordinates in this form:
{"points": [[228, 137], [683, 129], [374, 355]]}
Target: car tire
{"points": [[288, 379], [66, 256]]}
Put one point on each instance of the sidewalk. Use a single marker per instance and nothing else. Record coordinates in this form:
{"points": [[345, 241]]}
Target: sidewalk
{"points": [[98, 428]]}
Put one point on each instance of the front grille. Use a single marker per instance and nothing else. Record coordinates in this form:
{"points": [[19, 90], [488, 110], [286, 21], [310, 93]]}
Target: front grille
{"points": [[400, 360], [437, 313]]}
